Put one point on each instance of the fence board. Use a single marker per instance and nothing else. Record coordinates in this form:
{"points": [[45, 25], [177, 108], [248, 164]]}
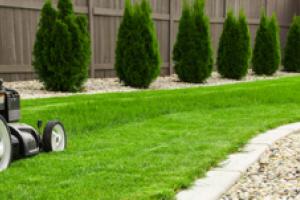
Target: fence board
{"points": [[19, 21]]}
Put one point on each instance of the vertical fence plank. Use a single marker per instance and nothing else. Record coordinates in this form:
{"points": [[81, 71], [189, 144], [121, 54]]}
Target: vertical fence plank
{"points": [[91, 29], [225, 8], [171, 32], [236, 7], [267, 7], [18, 22]]}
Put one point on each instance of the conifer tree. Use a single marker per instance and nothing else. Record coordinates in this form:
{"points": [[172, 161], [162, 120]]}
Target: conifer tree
{"points": [[124, 41], [234, 47], [43, 44], [192, 54], [65, 8], [62, 45], [245, 44], [184, 44], [137, 53], [291, 60], [65, 66], [266, 55]]}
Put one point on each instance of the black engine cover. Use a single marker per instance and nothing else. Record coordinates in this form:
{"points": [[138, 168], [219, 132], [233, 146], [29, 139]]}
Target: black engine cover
{"points": [[9, 105], [28, 140]]}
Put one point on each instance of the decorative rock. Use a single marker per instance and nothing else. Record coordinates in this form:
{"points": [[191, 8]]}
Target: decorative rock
{"points": [[257, 160], [34, 89], [275, 176]]}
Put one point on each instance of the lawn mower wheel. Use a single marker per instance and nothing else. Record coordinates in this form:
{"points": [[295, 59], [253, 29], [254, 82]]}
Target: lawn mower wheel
{"points": [[54, 137], [5, 145]]}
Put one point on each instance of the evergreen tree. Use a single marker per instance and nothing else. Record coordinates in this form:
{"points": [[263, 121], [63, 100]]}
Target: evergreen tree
{"points": [[43, 44], [65, 8], [274, 29], [62, 46], [192, 52], [266, 55], [291, 60], [137, 53], [203, 55], [84, 51], [65, 65], [184, 44], [245, 44], [124, 41], [234, 47]]}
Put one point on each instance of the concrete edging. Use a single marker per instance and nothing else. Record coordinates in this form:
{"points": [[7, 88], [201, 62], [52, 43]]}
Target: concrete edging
{"points": [[220, 179]]}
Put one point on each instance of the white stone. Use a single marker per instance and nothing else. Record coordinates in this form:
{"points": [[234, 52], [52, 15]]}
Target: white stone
{"points": [[278, 179], [269, 178], [34, 89]]}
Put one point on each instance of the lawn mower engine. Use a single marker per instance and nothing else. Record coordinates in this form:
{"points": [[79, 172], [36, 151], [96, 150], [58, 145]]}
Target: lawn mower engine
{"points": [[21, 140]]}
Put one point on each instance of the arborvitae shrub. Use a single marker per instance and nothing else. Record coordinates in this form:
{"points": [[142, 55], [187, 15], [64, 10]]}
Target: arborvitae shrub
{"points": [[291, 60], [124, 42], [266, 55], [65, 8], [62, 45], [203, 42], [184, 43], [234, 47], [137, 53], [245, 44], [192, 53], [274, 29], [62, 48], [43, 44]]}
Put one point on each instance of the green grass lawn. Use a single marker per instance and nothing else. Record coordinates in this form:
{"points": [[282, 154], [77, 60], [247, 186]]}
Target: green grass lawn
{"points": [[146, 145]]}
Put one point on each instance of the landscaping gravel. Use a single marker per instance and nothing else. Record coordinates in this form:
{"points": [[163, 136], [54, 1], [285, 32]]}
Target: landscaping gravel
{"points": [[34, 89], [275, 177]]}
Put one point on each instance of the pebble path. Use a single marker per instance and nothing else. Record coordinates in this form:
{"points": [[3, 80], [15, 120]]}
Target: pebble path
{"points": [[275, 177], [34, 89]]}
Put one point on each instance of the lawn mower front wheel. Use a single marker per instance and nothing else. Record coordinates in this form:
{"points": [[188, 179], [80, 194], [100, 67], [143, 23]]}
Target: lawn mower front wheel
{"points": [[54, 137], [5, 145]]}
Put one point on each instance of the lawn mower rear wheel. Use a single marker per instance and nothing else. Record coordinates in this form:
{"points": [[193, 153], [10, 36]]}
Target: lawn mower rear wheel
{"points": [[5, 145]]}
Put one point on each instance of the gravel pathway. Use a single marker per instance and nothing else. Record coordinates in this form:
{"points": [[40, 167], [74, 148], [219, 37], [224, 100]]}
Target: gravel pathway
{"points": [[275, 177], [34, 89]]}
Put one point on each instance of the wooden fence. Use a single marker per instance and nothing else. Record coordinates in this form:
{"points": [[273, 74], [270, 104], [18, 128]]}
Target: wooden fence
{"points": [[19, 20]]}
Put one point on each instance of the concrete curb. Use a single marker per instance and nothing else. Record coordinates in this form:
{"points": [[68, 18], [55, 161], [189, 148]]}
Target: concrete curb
{"points": [[219, 180]]}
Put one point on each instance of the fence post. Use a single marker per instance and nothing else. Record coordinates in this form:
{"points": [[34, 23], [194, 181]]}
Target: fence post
{"points": [[91, 29], [225, 9], [266, 7], [171, 38]]}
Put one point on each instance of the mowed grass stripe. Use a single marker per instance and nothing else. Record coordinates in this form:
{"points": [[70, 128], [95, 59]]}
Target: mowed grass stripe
{"points": [[146, 145]]}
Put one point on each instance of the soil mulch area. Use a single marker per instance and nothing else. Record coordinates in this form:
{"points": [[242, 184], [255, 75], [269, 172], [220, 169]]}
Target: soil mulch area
{"points": [[275, 177], [34, 89]]}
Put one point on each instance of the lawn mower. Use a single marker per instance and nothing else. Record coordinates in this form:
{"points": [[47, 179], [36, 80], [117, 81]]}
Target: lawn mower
{"points": [[21, 140]]}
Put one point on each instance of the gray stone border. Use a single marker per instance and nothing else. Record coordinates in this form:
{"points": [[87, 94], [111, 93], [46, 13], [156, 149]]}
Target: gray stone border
{"points": [[219, 180]]}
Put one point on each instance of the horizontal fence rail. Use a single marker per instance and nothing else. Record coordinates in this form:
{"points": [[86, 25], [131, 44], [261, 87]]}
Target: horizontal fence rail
{"points": [[19, 21]]}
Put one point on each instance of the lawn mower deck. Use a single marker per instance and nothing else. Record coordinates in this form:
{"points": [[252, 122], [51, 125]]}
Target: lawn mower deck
{"points": [[21, 140]]}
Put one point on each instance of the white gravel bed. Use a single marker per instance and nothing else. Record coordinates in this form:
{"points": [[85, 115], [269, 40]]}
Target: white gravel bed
{"points": [[275, 177], [34, 89]]}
